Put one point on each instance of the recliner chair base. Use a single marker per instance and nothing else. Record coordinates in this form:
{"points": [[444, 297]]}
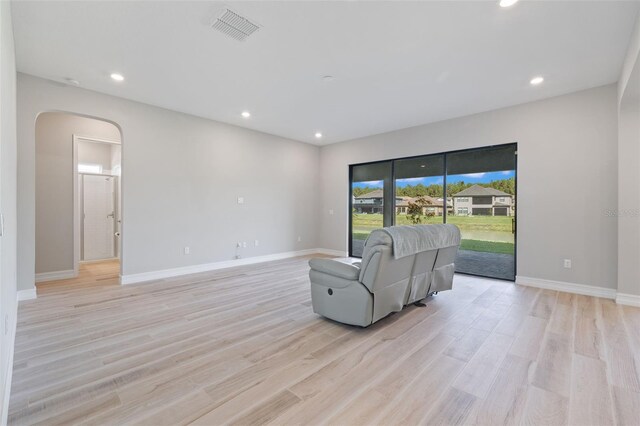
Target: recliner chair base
{"points": [[352, 304]]}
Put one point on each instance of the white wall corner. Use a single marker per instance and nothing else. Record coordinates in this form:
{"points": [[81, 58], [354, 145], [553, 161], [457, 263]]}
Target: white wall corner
{"points": [[55, 275], [27, 294], [587, 290], [9, 373], [633, 51], [628, 299]]}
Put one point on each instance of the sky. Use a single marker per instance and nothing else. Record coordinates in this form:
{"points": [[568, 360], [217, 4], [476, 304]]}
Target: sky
{"points": [[426, 181]]}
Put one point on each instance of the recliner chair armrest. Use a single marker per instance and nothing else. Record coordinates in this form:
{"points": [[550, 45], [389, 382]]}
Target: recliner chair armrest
{"points": [[348, 269]]}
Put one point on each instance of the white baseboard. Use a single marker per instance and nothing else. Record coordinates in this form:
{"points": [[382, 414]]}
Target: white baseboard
{"points": [[628, 299], [587, 290], [55, 275], [27, 294], [205, 267], [331, 252]]}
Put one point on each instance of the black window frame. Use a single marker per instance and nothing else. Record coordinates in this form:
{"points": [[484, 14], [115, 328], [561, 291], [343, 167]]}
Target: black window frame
{"points": [[392, 206]]}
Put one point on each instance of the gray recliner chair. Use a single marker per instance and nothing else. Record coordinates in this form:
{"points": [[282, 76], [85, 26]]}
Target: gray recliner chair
{"points": [[400, 265]]}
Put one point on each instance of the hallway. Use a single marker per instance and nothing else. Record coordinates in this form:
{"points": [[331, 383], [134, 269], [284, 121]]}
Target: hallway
{"points": [[91, 275]]}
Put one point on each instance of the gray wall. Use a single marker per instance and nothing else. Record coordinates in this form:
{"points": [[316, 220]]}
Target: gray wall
{"points": [[7, 197], [629, 169], [181, 176], [629, 198], [185, 193], [567, 179], [54, 182]]}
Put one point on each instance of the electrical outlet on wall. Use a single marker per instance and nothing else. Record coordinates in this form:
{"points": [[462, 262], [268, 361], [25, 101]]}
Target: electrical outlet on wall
{"points": [[244, 244], [299, 238], [256, 243], [567, 263], [330, 211], [187, 250]]}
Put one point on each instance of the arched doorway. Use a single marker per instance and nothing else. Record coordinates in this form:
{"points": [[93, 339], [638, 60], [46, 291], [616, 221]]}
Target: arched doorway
{"points": [[78, 197]]}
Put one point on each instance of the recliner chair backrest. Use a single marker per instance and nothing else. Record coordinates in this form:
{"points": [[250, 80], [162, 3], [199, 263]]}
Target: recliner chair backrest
{"points": [[385, 276], [397, 282], [379, 268]]}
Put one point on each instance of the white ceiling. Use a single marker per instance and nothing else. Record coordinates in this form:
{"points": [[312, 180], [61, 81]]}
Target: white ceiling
{"points": [[396, 64]]}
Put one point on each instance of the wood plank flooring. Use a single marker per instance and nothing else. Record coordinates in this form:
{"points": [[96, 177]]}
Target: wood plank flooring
{"points": [[242, 346]]}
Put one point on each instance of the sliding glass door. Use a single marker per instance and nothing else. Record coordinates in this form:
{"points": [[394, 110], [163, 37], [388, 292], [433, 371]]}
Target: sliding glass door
{"points": [[371, 190], [419, 187], [474, 189], [481, 185]]}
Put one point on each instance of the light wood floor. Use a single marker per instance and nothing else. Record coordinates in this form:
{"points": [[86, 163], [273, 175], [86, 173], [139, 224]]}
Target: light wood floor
{"points": [[92, 274], [242, 346]]}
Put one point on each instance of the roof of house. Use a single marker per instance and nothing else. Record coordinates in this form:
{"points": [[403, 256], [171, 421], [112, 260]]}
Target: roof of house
{"points": [[430, 201], [477, 191], [404, 201], [373, 194]]}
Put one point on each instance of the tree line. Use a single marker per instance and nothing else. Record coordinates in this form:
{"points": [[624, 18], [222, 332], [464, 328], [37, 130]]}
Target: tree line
{"points": [[435, 190]]}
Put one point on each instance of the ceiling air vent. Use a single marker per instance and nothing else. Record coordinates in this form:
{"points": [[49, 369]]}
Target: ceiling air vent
{"points": [[234, 25]]}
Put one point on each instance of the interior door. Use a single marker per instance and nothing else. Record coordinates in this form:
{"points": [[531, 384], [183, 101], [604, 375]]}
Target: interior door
{"points": [[98, 225]]}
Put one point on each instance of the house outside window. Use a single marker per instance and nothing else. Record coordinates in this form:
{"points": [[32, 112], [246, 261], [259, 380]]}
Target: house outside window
{"points": [[482, 200], [479, 200]]}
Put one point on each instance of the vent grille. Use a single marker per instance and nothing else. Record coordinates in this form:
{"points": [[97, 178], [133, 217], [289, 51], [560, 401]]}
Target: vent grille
{"points": [[234, 25]]}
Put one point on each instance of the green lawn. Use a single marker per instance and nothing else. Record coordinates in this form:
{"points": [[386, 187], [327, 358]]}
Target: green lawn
{"points": [[487, 246], [363, 224], [477, 223]]}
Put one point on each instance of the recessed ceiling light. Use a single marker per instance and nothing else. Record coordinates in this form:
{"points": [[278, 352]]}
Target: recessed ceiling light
{"points": [[536, 80], [423, 166], [117, 77], [72, 81], [507, 3], [246, 114], [318, 135]]}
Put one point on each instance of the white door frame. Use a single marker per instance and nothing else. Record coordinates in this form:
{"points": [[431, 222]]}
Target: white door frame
{"points": [[76, 198]]}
